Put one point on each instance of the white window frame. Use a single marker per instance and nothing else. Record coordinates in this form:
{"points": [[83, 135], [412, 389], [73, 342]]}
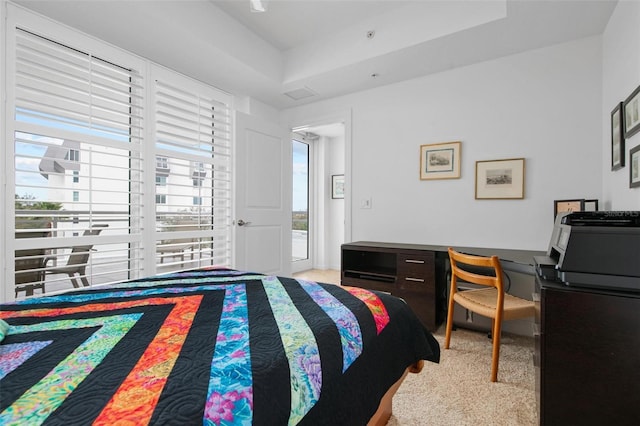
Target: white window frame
{"points": [[16, 16]]}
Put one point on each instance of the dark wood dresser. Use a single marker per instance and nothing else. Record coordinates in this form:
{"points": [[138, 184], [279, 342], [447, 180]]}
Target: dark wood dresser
{"points": [[587, 355], [404, 270], [418, 272]]}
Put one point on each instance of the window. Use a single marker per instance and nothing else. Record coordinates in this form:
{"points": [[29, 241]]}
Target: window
{"points": [[73, 155], [77, 107], [75, 113], [162, 163], [199, 172], [192, 128]]}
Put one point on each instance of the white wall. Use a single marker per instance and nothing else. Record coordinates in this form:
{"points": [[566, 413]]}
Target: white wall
{"points": [[334, 231], [621, 75], [543, 105], [329, 213]]}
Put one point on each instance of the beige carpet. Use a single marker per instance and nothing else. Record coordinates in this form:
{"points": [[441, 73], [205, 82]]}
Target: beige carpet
{"points": [[458, 391]]}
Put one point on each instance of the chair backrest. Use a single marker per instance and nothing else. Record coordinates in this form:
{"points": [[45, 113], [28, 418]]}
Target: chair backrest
{"points": [[80, 254], [29, 265], [463, 265], [29, 262], [182, 227]]}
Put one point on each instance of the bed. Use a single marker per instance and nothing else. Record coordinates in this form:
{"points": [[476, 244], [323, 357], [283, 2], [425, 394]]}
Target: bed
{"points": [[208, 346]]}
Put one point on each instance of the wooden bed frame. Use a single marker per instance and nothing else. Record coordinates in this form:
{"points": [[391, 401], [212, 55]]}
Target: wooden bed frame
{"points": [[382, 415]]}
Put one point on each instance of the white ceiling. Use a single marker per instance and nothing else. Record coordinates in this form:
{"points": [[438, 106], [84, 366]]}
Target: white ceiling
{"points": [[320, 47], [289, 24]]}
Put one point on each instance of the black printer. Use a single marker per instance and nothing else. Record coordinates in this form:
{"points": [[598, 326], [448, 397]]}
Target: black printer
{"points": [[594, 249]]}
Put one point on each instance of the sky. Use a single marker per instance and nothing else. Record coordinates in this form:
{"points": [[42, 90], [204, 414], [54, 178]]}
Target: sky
{"points": [[300, 176]]}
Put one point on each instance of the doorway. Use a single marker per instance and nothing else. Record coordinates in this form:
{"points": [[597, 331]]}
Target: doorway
{"points": [[326, 213], [301, 235]]}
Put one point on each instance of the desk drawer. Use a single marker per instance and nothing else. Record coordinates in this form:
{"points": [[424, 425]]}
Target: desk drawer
{"points": [[414, 264], [416, 271]]}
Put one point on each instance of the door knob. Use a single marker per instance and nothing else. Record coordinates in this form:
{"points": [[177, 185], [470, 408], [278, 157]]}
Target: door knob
{"points": [[242, 222]]}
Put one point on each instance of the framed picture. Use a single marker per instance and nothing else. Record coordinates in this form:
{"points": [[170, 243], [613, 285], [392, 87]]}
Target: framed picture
{"points": [[634, 170], [590, 205], [560, 206], [617, 138], [440, 161], [337, 186], [631, 107], [500, 179]]}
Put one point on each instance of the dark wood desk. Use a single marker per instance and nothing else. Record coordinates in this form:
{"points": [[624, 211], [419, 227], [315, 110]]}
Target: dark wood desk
{"points": [[586, 355], [417, 272]]}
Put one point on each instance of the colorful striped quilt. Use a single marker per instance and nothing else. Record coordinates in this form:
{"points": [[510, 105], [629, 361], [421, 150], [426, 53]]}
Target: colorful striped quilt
{"points": [[209, 346]]}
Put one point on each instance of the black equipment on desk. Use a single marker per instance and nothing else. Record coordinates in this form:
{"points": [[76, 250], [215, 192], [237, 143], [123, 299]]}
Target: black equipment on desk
{"points": [[594, 249]]}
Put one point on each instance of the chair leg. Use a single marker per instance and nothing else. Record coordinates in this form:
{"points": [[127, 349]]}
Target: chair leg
{"points": [[495, 356], [74, 281], [447, 338]]}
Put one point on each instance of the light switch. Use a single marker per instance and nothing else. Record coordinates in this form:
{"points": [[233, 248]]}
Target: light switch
{"points": [[365, 203]]}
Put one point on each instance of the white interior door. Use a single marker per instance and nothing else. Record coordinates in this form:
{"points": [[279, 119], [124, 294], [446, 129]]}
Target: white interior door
{"points": [[263, 197]]}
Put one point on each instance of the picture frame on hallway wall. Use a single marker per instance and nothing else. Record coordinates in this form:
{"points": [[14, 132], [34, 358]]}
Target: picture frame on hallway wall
{"points": [[440, 161], [337, 186], [634, 169], [631, 109], [500, 179], [617, 138]]}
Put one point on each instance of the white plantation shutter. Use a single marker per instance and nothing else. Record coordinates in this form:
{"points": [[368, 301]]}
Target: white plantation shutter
{"points": [[70, 89], [91, 125], [193, 172], [78, 164]]}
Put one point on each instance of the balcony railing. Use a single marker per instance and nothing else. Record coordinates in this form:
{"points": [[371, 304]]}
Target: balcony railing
{"points": [[46, 242]]}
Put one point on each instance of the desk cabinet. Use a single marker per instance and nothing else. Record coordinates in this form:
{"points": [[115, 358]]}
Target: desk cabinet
{"points": [[404, 270], [587, 356]]}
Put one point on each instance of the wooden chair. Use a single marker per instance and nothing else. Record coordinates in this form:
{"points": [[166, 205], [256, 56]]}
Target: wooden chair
{"points": [[78, 260], [490, 302]]}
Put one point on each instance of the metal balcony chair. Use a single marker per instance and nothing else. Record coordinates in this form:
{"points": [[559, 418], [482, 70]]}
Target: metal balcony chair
{"points": [[178, 247], [78, 260], [29, 271], [29, 265]]}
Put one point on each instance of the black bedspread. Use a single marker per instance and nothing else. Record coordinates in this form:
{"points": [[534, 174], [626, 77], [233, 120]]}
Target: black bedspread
{"points": [[210, 346]]}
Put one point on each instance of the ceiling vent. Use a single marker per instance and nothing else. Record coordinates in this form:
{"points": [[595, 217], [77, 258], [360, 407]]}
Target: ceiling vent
{"points": [[298, 94]]}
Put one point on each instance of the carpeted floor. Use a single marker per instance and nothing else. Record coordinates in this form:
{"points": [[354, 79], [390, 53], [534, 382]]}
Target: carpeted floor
{"points": [[458, 390]]}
